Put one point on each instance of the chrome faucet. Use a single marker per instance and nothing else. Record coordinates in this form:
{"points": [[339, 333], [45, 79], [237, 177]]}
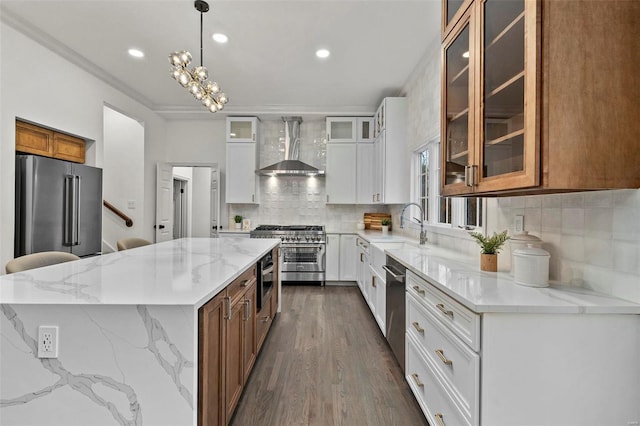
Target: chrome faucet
{"points": [[423, 233]]}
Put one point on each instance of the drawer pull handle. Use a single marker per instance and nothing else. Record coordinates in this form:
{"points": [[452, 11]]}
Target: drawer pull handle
{"points": [[417, 327], [417, 380], [439, 419], [419, 290], [443, 358], [444, 310], [265, 319], [245, 283]]}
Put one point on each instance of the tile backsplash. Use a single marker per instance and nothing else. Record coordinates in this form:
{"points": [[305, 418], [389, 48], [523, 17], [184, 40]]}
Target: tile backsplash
{"points": [[298, 200], [593, 237]]}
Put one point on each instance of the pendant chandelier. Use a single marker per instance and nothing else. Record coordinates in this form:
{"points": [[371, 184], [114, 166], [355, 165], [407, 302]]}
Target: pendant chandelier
{"points": [[195, 79]]}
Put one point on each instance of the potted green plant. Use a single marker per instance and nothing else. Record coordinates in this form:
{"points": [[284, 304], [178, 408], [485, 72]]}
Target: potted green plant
{"points": [[489, 248], [386, 223], [238, 220]]}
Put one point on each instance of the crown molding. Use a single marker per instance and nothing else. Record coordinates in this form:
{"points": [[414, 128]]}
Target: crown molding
{"points": [[71, 55]]}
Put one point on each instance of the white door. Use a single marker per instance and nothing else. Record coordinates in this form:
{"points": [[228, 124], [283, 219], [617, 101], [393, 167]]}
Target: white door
{"points": [[215, 202], [164, 202], [340, 177]]}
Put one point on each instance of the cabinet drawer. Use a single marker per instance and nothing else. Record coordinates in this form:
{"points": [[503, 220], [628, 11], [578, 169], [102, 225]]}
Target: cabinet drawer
{"points": [[462, 321], [458, 364], [433, 396], [239, 285], [263, 319]]}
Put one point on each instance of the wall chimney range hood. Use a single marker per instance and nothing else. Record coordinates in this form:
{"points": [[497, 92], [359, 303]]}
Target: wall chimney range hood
{"points": [[291, 166]]}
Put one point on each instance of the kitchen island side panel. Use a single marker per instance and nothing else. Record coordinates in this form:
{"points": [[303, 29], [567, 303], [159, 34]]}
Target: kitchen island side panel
{"points": [[116, 365]]}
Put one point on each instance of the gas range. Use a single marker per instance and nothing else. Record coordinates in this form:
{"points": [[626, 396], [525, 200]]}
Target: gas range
{"points": [[292, 234], [302, 252]]}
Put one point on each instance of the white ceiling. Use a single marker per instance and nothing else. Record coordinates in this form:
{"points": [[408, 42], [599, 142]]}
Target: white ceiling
{"points": [[268, 65]]}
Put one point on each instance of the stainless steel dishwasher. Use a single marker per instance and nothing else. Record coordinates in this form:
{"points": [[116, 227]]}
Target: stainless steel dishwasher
{"points": [[396, 309]]}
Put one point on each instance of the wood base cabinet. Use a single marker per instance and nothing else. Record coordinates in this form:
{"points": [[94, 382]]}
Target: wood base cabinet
{"points": [[523, 88], [511, 368], [230, 334]]}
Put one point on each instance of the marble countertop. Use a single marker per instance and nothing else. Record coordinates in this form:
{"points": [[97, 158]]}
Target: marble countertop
{"points": [[460, 277], [187, 271]]}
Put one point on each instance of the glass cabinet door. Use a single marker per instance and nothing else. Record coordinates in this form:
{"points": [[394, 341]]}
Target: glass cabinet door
{"points": [[451, 10], [241, 129], [504, 81], [457, 138], [341, 129]]}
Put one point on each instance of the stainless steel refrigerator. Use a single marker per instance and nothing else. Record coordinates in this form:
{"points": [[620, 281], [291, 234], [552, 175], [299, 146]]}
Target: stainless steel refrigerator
{"points": [[58, 206]]}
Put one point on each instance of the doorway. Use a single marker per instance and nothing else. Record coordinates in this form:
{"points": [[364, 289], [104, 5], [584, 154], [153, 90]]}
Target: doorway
{"points": [[181, 200]]}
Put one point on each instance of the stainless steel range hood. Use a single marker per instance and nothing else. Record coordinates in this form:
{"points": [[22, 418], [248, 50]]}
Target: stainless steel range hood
{"points": [[291, 166]]}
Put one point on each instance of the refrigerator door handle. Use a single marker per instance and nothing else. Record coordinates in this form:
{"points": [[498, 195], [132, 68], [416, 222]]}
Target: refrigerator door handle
{"points": [[76, 225], [68, 210]]}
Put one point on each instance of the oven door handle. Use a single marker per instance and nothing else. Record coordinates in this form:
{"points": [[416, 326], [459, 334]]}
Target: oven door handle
{"points": [[301, 245]]}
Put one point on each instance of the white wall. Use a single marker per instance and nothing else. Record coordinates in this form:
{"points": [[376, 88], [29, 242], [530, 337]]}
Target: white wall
{"points": [[196, 142], [40, 86], [123, 178]]}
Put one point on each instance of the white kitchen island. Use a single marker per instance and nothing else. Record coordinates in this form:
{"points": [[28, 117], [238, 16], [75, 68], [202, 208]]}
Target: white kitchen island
{"points": [[128, 333]]}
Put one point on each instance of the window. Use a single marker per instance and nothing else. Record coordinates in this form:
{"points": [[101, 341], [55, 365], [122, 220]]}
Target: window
{"points": [[455, 212]]}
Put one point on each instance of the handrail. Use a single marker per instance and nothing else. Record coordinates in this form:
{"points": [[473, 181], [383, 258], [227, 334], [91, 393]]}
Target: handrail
{"points": [[127, 220]]}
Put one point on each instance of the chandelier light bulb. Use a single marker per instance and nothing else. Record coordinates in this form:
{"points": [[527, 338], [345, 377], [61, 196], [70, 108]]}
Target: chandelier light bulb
{"points": [[213, 107], [207, 101], [213, 87], [175, 73], [222, 98], [184, 78], [185, 58], [174, 59], [200, 73]]}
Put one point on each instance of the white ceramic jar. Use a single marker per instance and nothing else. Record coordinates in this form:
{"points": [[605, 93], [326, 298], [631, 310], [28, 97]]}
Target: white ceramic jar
{"points": [[531, 266], [522, 240]]}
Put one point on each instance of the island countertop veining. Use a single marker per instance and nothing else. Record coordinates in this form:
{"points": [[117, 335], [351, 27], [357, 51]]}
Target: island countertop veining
{"points": [[187, 271]]}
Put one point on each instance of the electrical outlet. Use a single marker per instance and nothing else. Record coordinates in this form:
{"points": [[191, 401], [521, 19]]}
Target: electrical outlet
{"points": [[48, 341], [518, 223]]}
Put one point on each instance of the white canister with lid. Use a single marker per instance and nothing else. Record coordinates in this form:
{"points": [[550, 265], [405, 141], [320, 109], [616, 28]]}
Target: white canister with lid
{"points": [[522, 240], [531, 266]]}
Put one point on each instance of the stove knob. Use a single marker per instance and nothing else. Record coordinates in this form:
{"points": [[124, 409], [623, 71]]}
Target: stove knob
{"points": [[282, 238]]}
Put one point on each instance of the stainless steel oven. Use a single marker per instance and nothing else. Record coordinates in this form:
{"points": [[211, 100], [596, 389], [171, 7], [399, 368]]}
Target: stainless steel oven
{"points": [[303, 262], [265, 279], [302, 251]]}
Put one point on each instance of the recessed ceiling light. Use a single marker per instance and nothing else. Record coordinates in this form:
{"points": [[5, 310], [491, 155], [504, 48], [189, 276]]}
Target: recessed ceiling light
{"points": [[465, 54], [322, 53], [136, 53], [220, 38]]}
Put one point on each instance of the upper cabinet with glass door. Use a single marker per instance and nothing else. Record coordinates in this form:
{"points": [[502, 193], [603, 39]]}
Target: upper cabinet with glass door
{"points": [[539, 73], [452, 11], [458, 109], [341, 129], [365, 129], [242, 129]]}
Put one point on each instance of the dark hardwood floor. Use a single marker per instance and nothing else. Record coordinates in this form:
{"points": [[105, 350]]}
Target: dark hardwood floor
{"points": [[325, 362]]}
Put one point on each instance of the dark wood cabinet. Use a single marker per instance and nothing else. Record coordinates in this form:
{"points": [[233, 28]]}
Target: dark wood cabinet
{"points": [[231, 333]]}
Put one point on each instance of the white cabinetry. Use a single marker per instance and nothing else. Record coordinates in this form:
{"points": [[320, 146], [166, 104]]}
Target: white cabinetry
{"points": [[391, 153], [340, 180], [348, 253], [365, 129], [341, 129], [536, 368], [341, 257], [362, 261], [242, 129], [332, 258], [365, 153], [242, 183]]}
